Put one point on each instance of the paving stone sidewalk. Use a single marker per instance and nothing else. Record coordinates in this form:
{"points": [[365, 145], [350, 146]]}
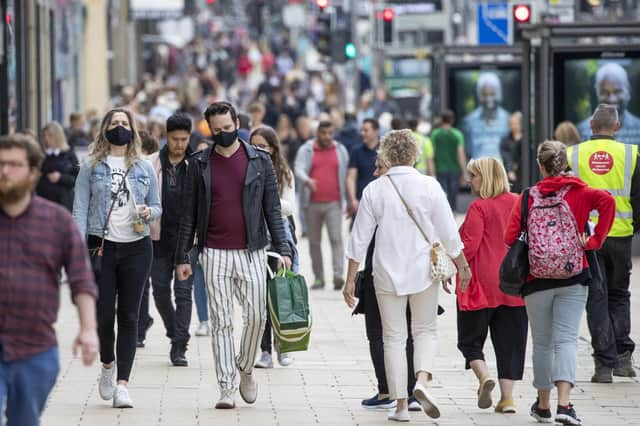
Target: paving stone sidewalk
{"points": [[324, 385]]}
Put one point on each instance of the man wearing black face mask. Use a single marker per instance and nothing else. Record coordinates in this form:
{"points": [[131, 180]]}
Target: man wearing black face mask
{"points": [[236, 193]]}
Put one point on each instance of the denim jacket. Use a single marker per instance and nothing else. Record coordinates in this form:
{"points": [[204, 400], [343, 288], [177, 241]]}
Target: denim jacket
{"points": [[93, 194]]}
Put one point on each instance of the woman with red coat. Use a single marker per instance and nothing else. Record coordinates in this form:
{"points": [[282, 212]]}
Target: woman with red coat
{"points": [[482, 306], [556, 297]]}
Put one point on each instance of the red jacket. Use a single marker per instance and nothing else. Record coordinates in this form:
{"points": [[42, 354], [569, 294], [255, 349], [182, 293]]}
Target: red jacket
{"points": [[482, 234], [582, 200]]}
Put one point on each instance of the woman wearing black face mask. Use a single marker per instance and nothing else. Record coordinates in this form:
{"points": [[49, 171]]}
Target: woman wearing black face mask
{"points": [[116, 198]]}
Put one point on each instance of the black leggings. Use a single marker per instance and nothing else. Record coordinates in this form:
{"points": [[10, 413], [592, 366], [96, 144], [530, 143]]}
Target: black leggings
{"points": [[125, 269]]}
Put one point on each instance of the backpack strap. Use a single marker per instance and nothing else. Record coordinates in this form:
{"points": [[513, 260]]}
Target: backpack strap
{"points": [[524, 210]]}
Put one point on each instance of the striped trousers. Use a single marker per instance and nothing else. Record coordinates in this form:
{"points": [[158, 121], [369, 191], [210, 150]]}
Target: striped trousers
{"points": [[241, 273]]}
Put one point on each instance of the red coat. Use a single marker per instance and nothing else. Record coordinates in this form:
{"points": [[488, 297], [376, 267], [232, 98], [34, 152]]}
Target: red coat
{"points": [[582, 199], [482, 234]]}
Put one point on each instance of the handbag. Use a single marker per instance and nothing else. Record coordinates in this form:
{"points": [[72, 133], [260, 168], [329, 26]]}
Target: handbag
{"points": [[515, 265], [288, 303], [442, 267], [95, 254]]}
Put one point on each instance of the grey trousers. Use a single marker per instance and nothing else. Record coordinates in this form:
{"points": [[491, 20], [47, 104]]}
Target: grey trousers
{"points": [[554, 316], [317, 215]]}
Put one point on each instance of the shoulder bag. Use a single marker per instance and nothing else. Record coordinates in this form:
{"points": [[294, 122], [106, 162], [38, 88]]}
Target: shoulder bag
{"points": [[442, 267], [97, 252], [515, 265]]}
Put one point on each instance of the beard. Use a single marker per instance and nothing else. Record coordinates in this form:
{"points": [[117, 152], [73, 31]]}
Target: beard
{"points": [[13, 192]]}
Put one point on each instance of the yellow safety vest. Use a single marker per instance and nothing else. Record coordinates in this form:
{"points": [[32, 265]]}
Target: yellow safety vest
{"points": [[609, 165]]}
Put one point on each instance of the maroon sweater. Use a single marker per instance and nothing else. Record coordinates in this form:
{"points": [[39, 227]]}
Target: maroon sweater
{"points": [[226, 220]]}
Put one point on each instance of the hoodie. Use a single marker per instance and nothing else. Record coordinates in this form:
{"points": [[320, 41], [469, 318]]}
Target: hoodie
{"points": [[581, 199]]}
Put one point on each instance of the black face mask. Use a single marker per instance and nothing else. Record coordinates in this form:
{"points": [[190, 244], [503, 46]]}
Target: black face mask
{"points": [[119, 136], [225, 139]]}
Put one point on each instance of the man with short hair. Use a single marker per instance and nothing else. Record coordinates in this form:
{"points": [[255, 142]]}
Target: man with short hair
{"points": [[449, 157], [604, 163], [321, 165], [362, 163], [234, 189], [172, 166], [32, 255]]}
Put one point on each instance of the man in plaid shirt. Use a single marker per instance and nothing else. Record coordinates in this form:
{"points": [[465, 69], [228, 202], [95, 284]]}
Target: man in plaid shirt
{"points": [[38, 239]]}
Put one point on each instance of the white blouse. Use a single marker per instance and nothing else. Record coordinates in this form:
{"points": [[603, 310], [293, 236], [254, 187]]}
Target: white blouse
{"points": [[401, 262], [288, 198]]}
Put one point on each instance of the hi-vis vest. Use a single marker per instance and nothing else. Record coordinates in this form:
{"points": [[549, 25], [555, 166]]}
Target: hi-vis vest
{"points": [[609, 165]]}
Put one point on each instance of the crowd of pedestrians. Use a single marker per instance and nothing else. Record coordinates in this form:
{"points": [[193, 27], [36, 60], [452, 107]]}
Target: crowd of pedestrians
{"points": [[199, 183]]}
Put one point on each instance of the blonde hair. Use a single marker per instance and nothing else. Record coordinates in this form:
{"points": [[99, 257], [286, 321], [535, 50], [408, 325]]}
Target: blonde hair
{"points": [[567, 133], [398, 148], [100, 148], [493, 175], [552, 156], [55, 131]]}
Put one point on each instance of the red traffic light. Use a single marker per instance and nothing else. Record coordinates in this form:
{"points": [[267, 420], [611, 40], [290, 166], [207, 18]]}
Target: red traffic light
{"points": [[522, 13], [387, 14], [322, 4]]}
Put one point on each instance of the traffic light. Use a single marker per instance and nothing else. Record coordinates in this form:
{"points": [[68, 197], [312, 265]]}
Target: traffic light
{"points": [[521, 14], [323, 33], [350, 50], [387, 25], [322, 4]]}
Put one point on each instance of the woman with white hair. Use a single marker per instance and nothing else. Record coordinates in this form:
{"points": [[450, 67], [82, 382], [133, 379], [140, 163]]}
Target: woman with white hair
{"points": [[401, 263], [59, 168]]}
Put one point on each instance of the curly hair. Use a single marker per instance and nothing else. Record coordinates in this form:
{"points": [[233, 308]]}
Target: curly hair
{"points": [[552, 156], [100, 148], [398, 148], [280, 166]]}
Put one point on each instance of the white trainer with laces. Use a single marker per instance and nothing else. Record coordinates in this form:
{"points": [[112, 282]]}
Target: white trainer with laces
{"points": [[203, 329], [121, 398], [106, 385]]}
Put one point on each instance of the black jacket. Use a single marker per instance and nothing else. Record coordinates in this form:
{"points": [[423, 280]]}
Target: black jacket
{"points": [[260, 204], [60, 192]]}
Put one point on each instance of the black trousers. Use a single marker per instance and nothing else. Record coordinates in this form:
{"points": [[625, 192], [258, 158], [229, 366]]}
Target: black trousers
{"points": [[609, 311], [509, 327], [125, 269], [176, 319], [265, 344], [373, 325], [143, 317], [450, 182]]}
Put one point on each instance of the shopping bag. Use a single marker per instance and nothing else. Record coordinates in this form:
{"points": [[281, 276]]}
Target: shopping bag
{"points": [[288, 303]]}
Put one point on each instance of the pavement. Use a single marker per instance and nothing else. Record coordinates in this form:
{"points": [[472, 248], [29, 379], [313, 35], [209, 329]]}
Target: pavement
{"points": [[323, 386]]}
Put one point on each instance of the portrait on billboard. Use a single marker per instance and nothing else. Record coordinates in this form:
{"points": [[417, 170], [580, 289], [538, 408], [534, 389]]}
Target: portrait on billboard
{"points": [[484, 100], [589, 82]]}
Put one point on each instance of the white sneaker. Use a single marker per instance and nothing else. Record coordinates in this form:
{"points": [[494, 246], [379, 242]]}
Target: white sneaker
{"points": [[203, 329], [428, 402], [226, 401], [265, 361], [399, 416], [106, 385], [285, 359], [121, 398]]}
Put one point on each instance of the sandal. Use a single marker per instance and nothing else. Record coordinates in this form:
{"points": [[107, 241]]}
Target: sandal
{"points": [[505, 407], [484, 392]]}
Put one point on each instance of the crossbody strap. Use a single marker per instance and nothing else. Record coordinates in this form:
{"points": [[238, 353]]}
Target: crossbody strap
{"points": [[113, 203], [408, 209]]}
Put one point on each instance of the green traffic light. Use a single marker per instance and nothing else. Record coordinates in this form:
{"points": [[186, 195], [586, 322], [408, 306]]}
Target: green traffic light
{"points": [[350, 50]]}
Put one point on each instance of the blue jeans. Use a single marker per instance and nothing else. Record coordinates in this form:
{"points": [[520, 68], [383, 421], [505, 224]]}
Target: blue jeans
{"points": [[200, 293], [554, 316], [25, 385]]}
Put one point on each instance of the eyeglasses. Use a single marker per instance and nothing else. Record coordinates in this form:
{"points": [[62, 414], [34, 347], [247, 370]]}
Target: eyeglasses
{"points": [[12, 165]]}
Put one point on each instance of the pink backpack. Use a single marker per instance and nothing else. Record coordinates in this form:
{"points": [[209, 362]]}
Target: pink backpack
{"points": [[554, 248]]}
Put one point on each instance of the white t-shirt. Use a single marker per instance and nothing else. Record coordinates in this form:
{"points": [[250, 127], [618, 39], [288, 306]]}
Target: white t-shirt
{"points": [[123, 214]]}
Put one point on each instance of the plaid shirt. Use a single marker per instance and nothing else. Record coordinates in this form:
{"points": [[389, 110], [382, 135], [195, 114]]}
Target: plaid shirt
{"points": [[33, 248]]}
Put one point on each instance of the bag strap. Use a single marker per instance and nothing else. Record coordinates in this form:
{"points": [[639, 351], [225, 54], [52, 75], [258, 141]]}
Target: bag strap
{"points": [[113, 203], [524, 210], [408, 209]]}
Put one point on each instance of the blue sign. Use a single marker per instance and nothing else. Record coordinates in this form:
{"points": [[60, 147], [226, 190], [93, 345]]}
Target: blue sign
{"points": [[493, 23]]}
